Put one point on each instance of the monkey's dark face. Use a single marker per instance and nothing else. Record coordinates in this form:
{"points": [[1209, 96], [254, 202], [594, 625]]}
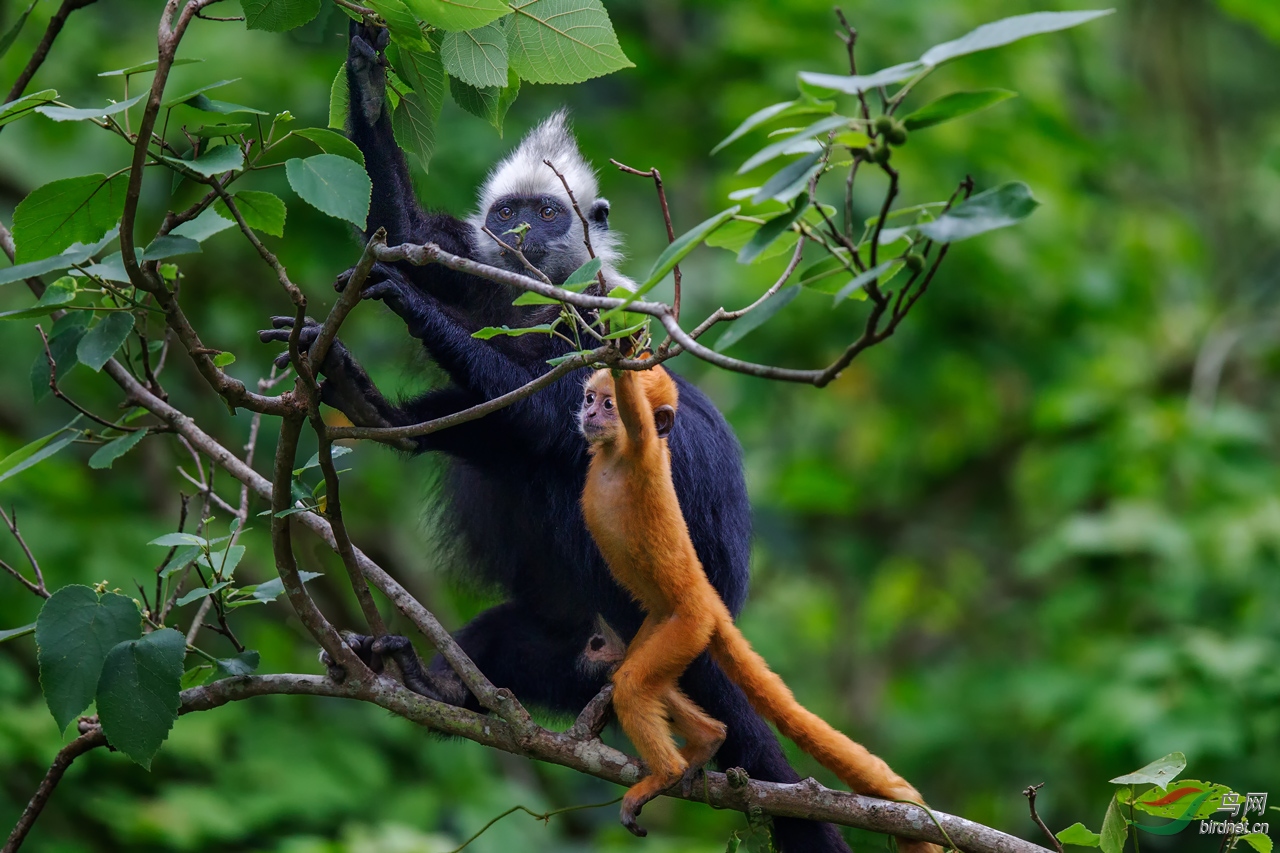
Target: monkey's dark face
{"points": [[599, 416], [547, 218]]}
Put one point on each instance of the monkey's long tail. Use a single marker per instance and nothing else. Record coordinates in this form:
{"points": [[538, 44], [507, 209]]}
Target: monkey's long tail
{"points": [[856, 766]]}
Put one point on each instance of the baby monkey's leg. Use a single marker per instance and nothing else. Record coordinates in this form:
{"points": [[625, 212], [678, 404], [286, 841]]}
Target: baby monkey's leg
{"points": [[703, 735]]}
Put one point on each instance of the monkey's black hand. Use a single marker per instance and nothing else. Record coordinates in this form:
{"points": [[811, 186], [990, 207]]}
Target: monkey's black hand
{"points": [[347, 387], [375, 651], [390, 286], [368, 77]]}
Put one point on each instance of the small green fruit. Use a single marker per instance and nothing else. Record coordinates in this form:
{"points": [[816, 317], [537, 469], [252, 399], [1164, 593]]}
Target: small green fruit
{"points": [[914, 262], [883, 124], [879, 152]]}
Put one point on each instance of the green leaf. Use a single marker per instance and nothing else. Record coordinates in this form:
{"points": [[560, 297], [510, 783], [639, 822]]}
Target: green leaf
{"points": [[863, 279], [771, 231], [578, 281], [477, 57], [215, 161], [181, 558], [224, 562], [24, 106], [332, 143], [1079, 835], [786, 109], [995, 208], [200, 592], [72, 114], [224, 359], [414, 128], [35, 452], [735, 234], [271, 590], [800, 143], [102, 341], [404, 27], [1160, 772], [857, 84], [679, 249], [1007, 31], [423, 69], [220, 131], [333, 185], [314, 461], [114, 449], [194, 93], [955, 105], [824, 269], [245, 663], [149, 65], [63, 340], [77, 253], [138, 693], [261, 211], [489, 104], [790, 181], [756, 317], [56, 295], [494, 331], [206, 104], [11, 36], [562, 41], [61, 213], [15, 633], [1177, 801], [169, 246], [1257, 841], [170, 540], [277, 16], [74, 632], [1115, 829], [339, 100], [459, 14]]}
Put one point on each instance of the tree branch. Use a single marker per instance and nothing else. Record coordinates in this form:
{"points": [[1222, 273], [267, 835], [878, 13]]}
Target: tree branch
{"points": [[42, 49]]}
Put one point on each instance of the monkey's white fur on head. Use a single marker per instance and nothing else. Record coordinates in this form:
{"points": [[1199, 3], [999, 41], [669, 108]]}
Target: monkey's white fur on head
{"points": [[524, 173]]}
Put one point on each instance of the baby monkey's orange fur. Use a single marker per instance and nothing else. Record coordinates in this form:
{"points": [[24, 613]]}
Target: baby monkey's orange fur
{"points": [[631, 509]]}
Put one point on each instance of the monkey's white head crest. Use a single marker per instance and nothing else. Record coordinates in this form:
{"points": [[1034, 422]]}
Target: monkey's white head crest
{"points": [[524, 173]]}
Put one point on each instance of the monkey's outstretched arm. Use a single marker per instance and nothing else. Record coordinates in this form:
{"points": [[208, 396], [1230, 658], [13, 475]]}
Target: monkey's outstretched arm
{"points": [[633, 409]]}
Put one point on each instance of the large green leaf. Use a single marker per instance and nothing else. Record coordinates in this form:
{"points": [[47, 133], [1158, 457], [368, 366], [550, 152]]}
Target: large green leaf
{"points": [[24, 106], [768, 233], [1160, 772], [214, 161], [789, 181], [1189, 799], [331, 142], [333, 185], [278, 15], [562, 41], [56, 295], [72, 114], [490, 104], [77, 253], [423, 70], [1008, 30], [414, 128], [102, 341], [680, 248], [138, 693], [799, 143], [998, 207], [1079, 835], [75, 630], [477, 57], [857, 84], [106, 455], [1115, 829], [404, 27], [756, 317], [72, 210], [459, 14], [339, 100], [786, 109], [37, 451], [203, 226], [261, 211], [955, 105]]}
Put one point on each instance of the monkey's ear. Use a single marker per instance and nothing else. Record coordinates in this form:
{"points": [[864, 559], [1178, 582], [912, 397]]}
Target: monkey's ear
{"points": [[664, 418], [600, 213]]}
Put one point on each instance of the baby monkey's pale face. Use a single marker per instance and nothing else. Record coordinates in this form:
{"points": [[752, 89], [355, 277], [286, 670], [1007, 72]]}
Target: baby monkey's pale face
{"points": [[598, 416]]}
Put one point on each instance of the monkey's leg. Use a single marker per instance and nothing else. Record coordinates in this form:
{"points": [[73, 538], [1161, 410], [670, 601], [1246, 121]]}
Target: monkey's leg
{"points": [[703, 735], [643, 685]]}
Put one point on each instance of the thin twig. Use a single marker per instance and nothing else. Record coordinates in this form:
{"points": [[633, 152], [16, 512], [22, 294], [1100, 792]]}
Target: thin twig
{"points": [[42, 49], [38, 587], [666, 217], [58, 392], [539, 274], [586, 227], [1030, 793]]}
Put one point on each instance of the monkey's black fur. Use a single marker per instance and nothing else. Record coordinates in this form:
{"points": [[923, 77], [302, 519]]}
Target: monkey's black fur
{"points": [[516, 476]]}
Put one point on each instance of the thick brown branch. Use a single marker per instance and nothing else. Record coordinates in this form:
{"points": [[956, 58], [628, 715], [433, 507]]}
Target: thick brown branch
{"points": [[40, 799]]}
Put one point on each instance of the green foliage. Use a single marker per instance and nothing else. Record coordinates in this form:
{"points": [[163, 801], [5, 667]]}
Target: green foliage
{"points": [[61, 213], [261, 211], [138, 693], [333, 185], [279, 15]]}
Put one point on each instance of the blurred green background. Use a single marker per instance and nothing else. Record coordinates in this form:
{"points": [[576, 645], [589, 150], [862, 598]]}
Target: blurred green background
{"points": [[1032, 538]]}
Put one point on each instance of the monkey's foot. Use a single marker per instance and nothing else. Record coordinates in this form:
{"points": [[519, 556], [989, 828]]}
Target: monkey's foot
{"points": [[375, 651], [640, 793]]}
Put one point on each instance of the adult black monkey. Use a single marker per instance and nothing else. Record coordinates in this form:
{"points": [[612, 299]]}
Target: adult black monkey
{"points": [[515, 476]]}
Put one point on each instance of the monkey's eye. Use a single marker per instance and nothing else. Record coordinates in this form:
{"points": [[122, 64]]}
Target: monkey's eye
{"points": [[591, 398], [608, 402], [548, 213], [505, 213]]}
